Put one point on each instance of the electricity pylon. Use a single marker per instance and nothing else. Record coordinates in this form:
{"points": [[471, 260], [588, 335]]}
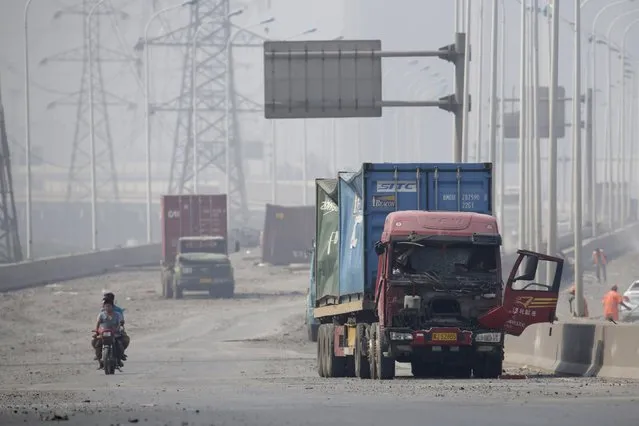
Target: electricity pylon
{"points": [[211, 79]]}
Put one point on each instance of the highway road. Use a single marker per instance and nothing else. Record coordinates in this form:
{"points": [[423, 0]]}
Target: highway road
{"points": [[245, 361]]}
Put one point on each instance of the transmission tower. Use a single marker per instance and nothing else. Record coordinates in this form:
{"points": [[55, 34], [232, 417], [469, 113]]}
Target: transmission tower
{"points": [[78, 184], [10, 249], [210, 67]]}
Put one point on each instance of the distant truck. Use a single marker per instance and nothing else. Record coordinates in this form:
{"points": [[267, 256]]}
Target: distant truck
{"points": [[407, 269], [195, 255]]}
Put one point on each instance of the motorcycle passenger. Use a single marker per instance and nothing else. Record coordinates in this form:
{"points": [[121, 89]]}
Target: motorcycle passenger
{"points": [[110, 319], [110, 297]]}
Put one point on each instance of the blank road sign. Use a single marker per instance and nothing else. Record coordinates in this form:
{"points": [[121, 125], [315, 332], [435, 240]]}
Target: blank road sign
{"points": [[299, 86]]}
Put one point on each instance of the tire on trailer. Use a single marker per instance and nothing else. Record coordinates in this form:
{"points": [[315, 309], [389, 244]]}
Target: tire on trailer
{"points": [[362, 366], [419, 369], [335, 366], [311, 331], [385, 366], [320, 351], [168, 285], [372, 341], [349, 366], [177, 291], [488, 367], [229, 290], [463, 372]]}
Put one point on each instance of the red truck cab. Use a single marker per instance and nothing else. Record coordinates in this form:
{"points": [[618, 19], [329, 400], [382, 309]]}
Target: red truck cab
{"points": [[441, 301]]}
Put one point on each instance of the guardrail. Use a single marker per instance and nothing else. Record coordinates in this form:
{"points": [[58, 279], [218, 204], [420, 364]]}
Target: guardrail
{"points": [[49, 270]]}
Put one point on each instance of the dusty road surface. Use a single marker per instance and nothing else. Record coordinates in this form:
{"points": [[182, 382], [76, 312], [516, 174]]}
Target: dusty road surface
{"points": [[244, 361]]}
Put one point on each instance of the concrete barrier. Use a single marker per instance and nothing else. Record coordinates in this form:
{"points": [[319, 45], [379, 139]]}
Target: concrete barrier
{"points": [[44, 271], [583, 347], [578, 349]]}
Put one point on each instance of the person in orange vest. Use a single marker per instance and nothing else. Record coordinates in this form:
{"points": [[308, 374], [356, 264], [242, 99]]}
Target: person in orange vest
{"points": [[599, 260], [572, 291], [611, 302]]}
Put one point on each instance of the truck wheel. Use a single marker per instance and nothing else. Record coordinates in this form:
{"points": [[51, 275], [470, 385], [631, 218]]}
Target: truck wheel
{"points": [[229, 292], [177, 291], [489, 367], [419, 369], [335, 366], [168, 285], [362, 367], [463, 372], [320, 351], [385, 365], [371, 334], [311, 330]]}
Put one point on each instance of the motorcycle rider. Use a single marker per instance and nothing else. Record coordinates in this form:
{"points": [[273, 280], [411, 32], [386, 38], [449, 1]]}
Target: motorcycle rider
{"points": [[107, 318], [110, 297]]}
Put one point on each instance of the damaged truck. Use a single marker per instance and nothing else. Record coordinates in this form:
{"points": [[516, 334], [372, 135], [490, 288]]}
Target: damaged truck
{"points": [[407, 269]]}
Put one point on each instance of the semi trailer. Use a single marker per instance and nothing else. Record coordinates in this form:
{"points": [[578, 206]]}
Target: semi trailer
{"points": [[195, 246], [407, 269]]}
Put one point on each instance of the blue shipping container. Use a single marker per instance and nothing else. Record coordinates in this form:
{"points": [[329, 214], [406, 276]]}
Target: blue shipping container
{"points": [[368, 196]]}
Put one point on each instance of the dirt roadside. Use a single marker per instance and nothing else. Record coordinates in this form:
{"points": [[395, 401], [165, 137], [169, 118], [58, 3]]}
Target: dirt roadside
{"points": [[45, 331]]}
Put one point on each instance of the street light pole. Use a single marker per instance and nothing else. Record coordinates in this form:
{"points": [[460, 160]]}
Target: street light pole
{"points": [[552, 193], [576, 163], [536, 163], [480, 81], [466, 85], [521, 229], [502, 138], [494, 36], [27, 130], [147, 114]]}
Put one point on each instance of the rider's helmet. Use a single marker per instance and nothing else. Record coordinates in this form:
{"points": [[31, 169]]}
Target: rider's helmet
{"points": [[108, 297]]}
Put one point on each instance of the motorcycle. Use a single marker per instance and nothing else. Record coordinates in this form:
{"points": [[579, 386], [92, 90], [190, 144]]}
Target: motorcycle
{"points": [[110, 350]]}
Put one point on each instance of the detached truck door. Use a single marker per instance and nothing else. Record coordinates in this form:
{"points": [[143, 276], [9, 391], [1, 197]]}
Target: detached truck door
{"points": [[527, 301]]}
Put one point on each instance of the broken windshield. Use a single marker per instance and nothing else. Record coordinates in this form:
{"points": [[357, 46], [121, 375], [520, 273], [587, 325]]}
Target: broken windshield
{"points": [[443, 259]]}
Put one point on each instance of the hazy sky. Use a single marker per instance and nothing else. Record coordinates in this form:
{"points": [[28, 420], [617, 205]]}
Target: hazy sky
{"points": [[400, 24]]}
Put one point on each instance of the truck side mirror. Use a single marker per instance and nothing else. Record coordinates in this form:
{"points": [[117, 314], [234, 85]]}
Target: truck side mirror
{"points": [[237, 246], [530, 270], [380, 248]]}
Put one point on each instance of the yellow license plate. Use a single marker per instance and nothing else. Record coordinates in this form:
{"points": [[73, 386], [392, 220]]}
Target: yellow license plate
{"points": [[444, 337], [206, 280]]}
